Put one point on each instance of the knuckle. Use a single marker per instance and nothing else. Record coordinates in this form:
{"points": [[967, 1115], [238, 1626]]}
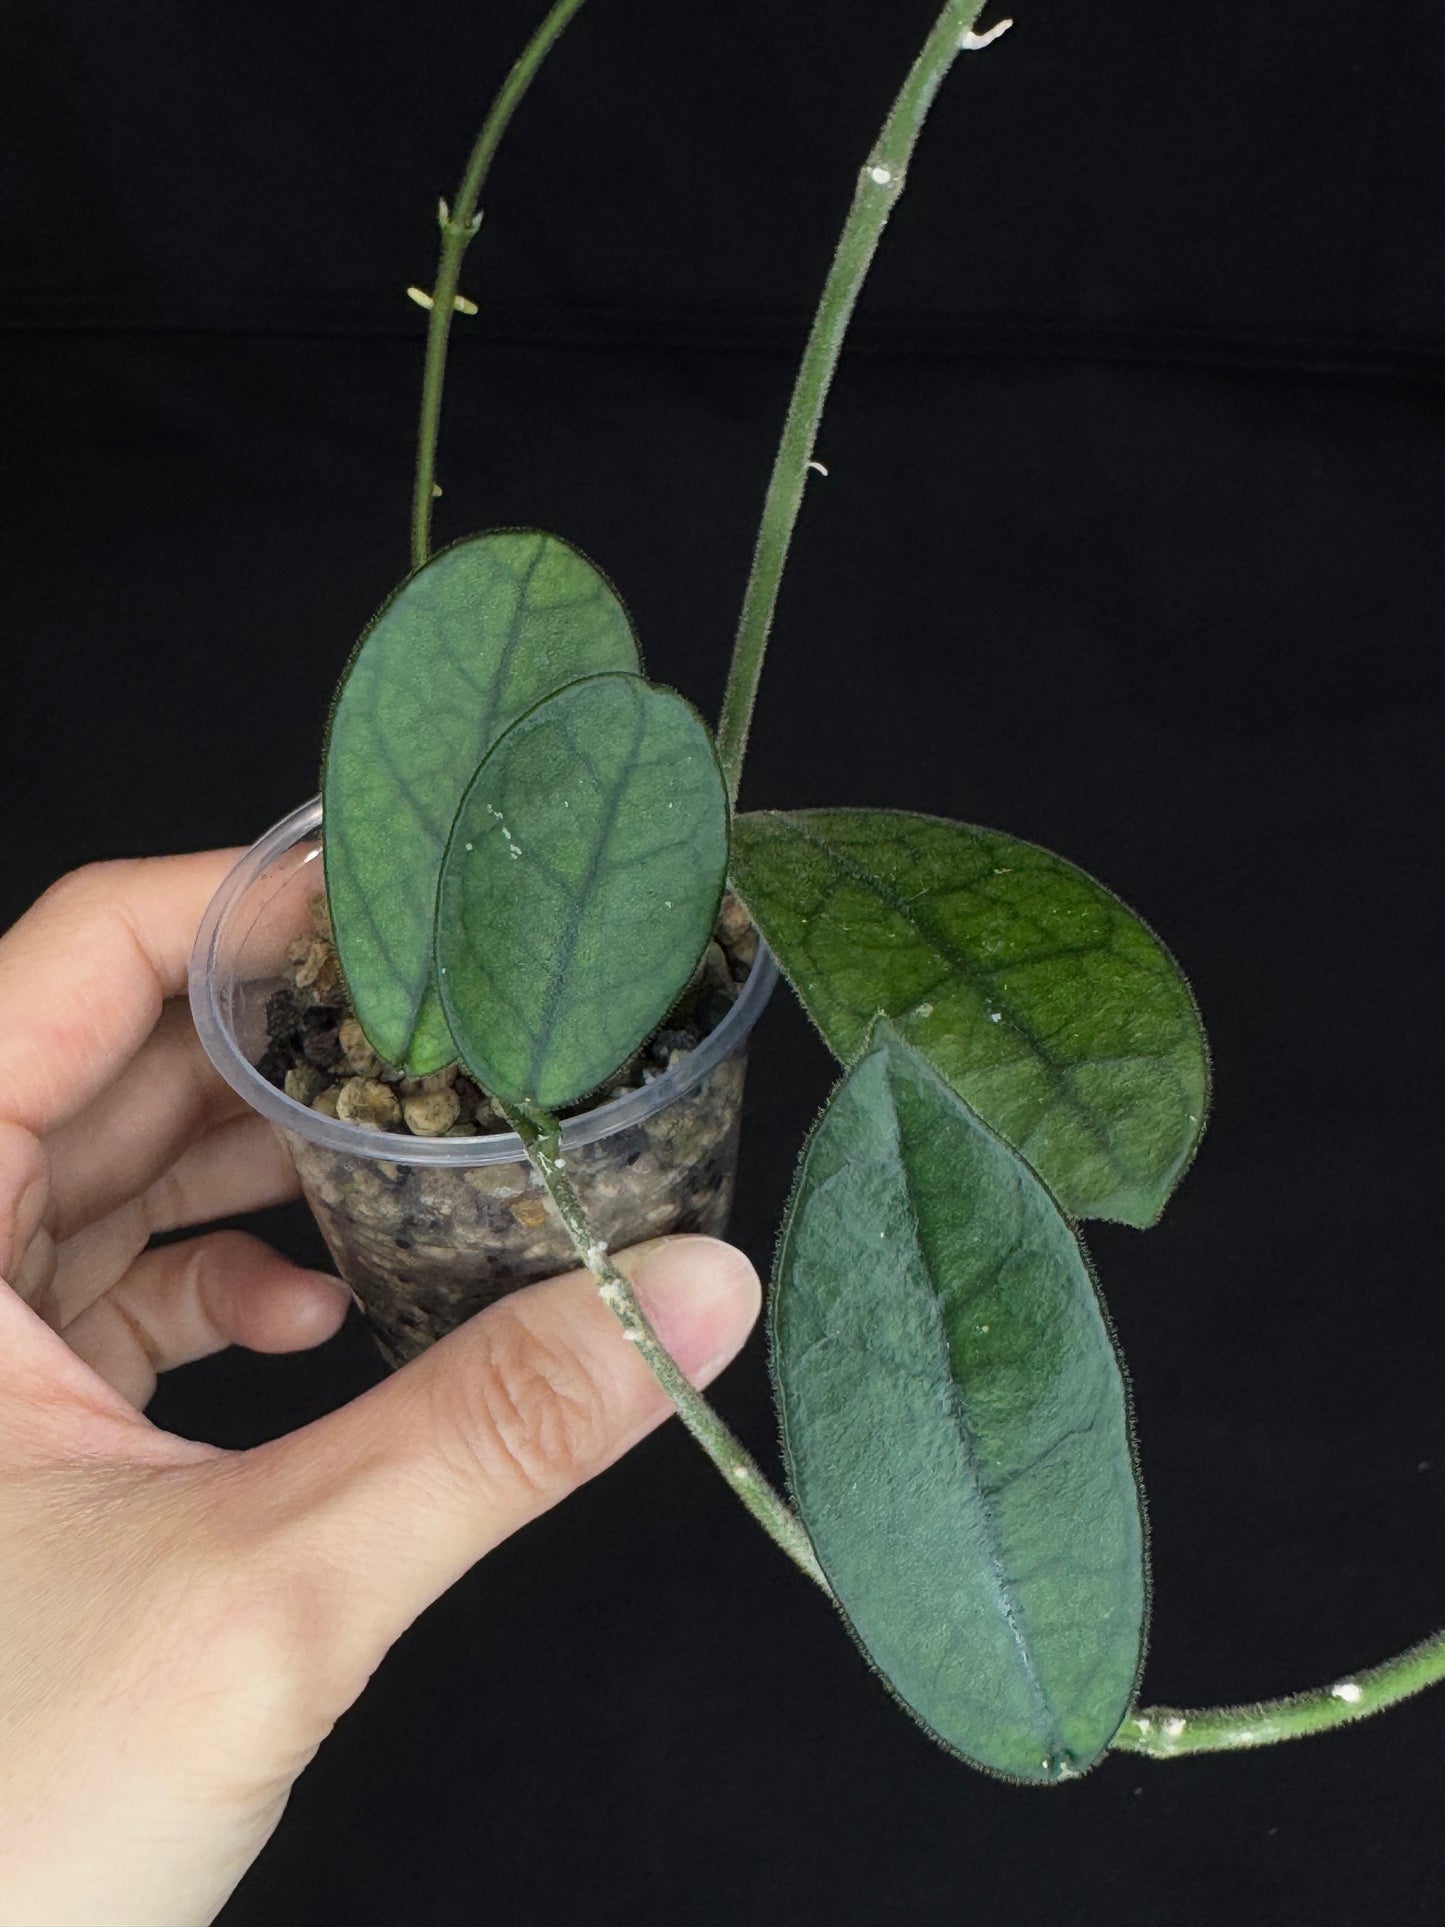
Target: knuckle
{"points": [[216, 1257], [24, 1194], [258, 1624], [163, 1204], [85, 883], [206, 1267], [533, 1416]]}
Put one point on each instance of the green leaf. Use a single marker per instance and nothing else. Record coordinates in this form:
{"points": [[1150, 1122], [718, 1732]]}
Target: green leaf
{"points": [[1041, 998], [470, 642], [955, 1425], [579, 887]]}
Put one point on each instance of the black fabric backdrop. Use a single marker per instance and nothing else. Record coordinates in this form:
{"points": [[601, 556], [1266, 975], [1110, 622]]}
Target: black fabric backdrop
{"points": [[1130, 545]]}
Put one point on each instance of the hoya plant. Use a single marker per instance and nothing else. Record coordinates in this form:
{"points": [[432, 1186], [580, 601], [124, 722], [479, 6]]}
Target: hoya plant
{"points": [[526, 843]]}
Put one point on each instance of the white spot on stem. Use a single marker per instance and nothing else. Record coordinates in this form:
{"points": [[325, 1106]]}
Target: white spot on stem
{"points": [[1174, 1727], [880, 176], [1348, 1690], [971, 42]]}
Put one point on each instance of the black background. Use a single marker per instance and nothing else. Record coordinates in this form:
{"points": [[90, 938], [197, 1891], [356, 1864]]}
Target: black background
{"points": [[1131, 545]]}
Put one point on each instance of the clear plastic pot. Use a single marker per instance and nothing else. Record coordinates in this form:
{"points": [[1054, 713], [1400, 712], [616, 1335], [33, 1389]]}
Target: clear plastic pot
{"points": [[427, 1231]]}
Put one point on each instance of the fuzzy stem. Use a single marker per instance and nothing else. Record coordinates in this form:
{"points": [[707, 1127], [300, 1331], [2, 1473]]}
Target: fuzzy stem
{"points": [[879, 185], [459, 224], [540, 1133], [1164, 1732]]}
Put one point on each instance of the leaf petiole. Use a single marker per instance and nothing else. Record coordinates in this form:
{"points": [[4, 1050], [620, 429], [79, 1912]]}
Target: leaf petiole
{"points": [[541, 1135]]}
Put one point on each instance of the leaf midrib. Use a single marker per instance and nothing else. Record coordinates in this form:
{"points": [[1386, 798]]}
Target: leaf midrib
{"points": [[1010, 1607], [484, 731], [943, 946], [580, 900], [514, 636]]}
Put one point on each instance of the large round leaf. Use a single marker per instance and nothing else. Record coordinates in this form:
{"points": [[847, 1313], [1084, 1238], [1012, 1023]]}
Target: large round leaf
{"points": [[955, 1425], [1037, 994], [579, 887], [478, 635]]}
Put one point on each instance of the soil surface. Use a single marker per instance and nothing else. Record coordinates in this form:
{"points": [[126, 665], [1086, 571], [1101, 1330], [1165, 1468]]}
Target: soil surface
{"points": [[426, 1246], [318, 1053]]}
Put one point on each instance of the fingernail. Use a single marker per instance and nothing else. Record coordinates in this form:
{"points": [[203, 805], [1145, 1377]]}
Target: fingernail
{"points": [[701, 1297]]}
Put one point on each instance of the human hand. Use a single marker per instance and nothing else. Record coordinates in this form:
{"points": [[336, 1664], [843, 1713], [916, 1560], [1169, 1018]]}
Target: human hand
{"points": [[180, 1626]]}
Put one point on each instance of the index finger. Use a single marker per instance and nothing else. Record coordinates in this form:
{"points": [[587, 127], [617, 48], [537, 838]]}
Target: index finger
{"points": [[85, 972]]}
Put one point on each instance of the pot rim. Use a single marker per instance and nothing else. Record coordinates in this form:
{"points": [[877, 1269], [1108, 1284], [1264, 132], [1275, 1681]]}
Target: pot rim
{"points": [[218, 1039]]}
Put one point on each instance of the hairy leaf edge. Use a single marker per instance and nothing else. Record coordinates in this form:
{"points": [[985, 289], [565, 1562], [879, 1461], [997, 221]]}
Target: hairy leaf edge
{"points": [[881, 1024]]}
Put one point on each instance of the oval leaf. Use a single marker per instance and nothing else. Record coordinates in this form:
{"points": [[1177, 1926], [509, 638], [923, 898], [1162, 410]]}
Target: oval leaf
{"points": [[955, 1425], [579, 887], [470, 642], [1041, 998]]}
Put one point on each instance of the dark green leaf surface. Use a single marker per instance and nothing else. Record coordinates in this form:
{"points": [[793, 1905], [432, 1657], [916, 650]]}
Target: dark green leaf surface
{"points": [[486, 629], [1040, 997], [579, 887], [955, 1425]]}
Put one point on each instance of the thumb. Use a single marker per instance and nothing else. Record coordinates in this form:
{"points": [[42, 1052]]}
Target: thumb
{"points": [[380, 1506]]}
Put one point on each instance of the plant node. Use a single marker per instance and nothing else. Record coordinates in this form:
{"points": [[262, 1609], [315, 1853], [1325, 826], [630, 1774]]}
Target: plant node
{"points": [[971, 42]]}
